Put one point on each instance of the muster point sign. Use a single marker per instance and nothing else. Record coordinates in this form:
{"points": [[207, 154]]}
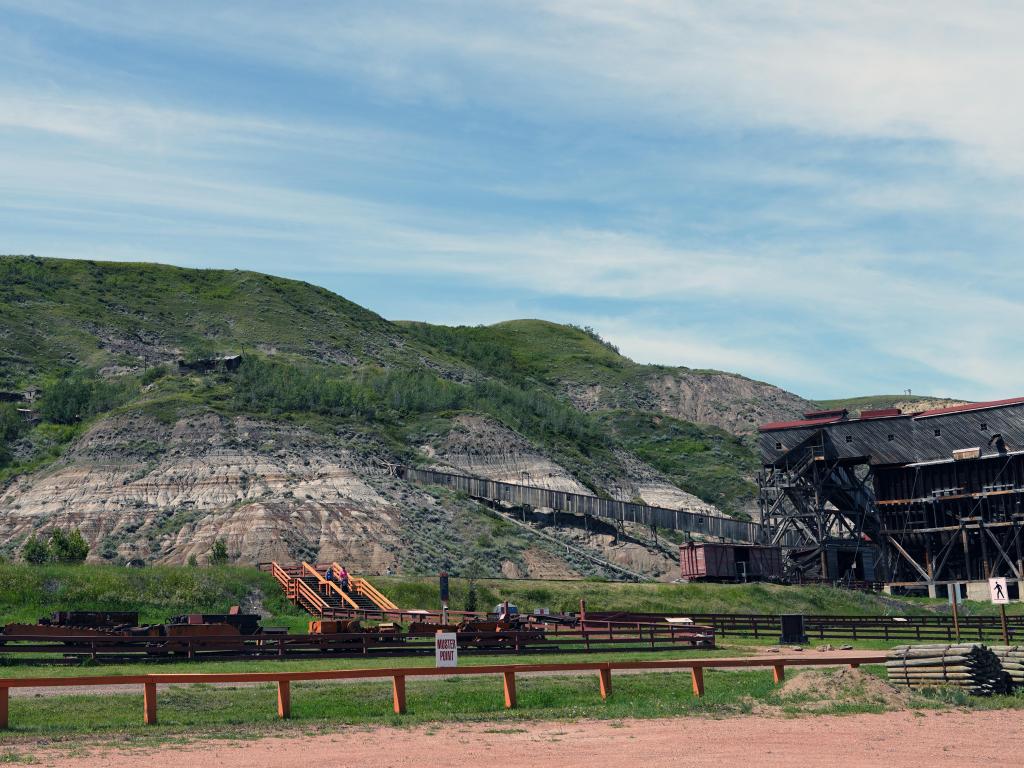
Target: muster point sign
{"points": [[446, 649], [997, 589]]}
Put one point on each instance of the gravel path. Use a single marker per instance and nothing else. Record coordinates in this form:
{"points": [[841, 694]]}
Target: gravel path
{"points": [[895, 740]]}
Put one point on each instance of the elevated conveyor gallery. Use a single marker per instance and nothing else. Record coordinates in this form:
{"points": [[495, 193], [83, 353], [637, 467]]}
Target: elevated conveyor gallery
{"points": [[705, 526]]}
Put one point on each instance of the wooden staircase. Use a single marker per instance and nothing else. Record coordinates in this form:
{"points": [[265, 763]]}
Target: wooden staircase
{"points": [[307, 586]]}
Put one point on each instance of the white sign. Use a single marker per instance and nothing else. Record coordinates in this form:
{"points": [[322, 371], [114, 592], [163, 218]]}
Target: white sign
{"points": [[997, 588], [446, 649]]}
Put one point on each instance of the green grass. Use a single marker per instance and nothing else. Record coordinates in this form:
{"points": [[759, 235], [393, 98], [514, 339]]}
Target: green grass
{"points": [[30, 592], [240, 712], [658, 598], [204, 710]]}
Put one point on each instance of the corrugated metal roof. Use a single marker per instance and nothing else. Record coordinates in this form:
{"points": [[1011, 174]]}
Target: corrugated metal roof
{"points": [[799, 423], [834, 412], [969, 407], [881, 413], [887, 413]]}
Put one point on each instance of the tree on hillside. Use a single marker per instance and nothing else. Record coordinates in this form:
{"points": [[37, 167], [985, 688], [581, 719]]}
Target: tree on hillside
{"points": [[219, 552], [12, 426], [35, 550], [67, 400], [63, 547], [68, 546]]}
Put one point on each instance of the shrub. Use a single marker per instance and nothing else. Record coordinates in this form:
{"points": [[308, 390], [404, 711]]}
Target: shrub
{"points": [[68, 546], [219, 552], [35, 550], [73, 398], [153, 374]]}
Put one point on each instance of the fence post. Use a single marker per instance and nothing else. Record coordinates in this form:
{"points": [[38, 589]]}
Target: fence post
{"points": [[4, 708], [284, 699], [510, 689], [605, 676], [149, 703], [398, 694], [697, 675], [778, 673]]}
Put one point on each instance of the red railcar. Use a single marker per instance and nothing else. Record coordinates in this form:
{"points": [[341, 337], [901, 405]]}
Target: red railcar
{"points": [[705, 561]]}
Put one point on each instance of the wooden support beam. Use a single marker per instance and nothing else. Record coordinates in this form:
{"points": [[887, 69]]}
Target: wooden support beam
{"points": [[909, 559], [284, 699], [1003, 554], [697, 675], [779, 673], [510, 689], [398, 694], [4, 707], [605, 676], [149, 703]]}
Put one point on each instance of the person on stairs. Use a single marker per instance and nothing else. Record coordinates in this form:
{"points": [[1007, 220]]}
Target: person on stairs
{"points": [[343, 579]]}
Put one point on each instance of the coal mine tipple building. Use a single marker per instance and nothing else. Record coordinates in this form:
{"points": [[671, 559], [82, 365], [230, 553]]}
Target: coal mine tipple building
{"points": [[921, 501]]}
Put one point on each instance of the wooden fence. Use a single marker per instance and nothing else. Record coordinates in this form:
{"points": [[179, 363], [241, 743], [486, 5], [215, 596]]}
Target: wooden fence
{"points": [[903, 628], [540, 639], [398, 677]]}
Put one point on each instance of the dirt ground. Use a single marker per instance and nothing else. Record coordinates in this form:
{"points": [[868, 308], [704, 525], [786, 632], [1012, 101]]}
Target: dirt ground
{"points": [[895, 740]]}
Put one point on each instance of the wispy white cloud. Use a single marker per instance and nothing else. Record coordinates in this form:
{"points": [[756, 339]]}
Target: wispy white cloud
{"points": [[925, 91], [939, 69]]}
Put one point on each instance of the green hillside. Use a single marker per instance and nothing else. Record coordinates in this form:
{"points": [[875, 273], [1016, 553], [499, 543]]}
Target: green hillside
{"points": [[104, 338], [707, 461], [59, 315]]}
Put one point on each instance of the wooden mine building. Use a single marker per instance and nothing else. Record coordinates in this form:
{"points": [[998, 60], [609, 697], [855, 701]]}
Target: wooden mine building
{"points": [[921, 501]]}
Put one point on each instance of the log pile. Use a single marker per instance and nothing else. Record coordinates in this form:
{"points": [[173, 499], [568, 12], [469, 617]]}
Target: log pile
{"points": [[1012, 659], [972, 667]]}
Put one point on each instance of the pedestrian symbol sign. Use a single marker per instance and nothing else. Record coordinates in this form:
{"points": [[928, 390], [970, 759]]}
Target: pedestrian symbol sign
{"points": [[997, 590]]}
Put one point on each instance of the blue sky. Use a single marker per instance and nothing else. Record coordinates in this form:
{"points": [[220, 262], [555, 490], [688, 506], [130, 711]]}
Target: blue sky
{"points": [[823, 196]]}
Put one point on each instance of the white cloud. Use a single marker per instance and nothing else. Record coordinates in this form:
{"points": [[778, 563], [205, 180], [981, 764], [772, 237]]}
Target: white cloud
{"points": [[940, 69], [940, 77]]}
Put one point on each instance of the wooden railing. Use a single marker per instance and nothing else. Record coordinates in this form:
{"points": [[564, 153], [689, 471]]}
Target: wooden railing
{"points": [[914, 628], [364, 587], [398, 676], [329, 586]]}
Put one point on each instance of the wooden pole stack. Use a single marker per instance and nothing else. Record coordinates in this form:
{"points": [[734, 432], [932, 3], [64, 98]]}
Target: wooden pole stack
{"points": [[972, 667], [1011, 657]]}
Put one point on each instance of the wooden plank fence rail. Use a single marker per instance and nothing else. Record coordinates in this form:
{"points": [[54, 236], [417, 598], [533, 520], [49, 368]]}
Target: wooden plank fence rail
{"points": [[398, 677]]}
